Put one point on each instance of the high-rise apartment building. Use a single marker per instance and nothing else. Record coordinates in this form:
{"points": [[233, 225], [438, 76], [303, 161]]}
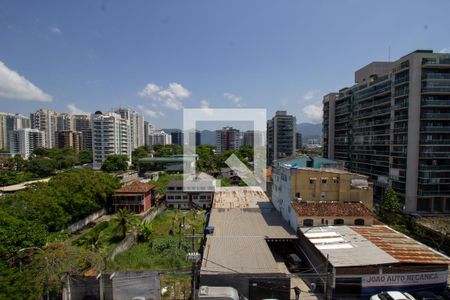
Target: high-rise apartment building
{"points": [[394, 126], [69, 139], [227, 138], [178, 137], [159, 137], [82, 123], [281, 136], [9, 122], [253, 138], [148, 129], [63, 122], [45, 120], [136, 126], [24, 141], [111, 134]]}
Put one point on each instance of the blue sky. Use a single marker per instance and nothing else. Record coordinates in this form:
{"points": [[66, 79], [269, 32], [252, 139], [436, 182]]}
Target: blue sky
{"points": [[160, 56]]}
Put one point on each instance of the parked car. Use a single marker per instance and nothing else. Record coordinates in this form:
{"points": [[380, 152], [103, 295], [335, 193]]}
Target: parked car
{"points": [[294, 263], [219, 293], [392, 295]]}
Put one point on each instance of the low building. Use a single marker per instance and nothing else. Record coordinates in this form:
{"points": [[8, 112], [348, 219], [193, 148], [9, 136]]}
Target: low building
{"points": [[315, 185], [239, 251], [192, 192], [319, 214], [355, 262], [135, 196]]}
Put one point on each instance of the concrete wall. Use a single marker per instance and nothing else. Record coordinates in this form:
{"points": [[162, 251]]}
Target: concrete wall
{"points": [[347, 220], [83, 222]]}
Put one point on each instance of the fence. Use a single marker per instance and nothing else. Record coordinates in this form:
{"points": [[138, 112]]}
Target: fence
{"points": [[130, 239], [83, 222]]}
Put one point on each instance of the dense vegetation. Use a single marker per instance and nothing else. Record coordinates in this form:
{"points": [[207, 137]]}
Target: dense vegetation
{"points": [[162, 244], [31, 221], [42, 163]]}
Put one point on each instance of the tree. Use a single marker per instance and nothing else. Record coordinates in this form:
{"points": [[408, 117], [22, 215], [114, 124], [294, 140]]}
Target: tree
{"points": [[85, 157], [42, 167], [167, 150], [138, 153], [125, 221], [390, 206], [145, 231], [206, 161], [115, 163]]}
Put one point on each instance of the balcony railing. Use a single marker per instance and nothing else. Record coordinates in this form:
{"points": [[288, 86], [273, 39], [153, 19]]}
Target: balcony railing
{"points": [[435, 115], [436, 102], [436, 142], [435, 128]]}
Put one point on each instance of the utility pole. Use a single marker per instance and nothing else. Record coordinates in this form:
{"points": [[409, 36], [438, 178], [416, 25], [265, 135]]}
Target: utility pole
{"points": [[193, 266]]}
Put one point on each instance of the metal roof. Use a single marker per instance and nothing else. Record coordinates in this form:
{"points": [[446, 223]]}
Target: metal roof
{"points": [[400, 246], [369, 245], [345, 247], [238, 244], [239, 197]]}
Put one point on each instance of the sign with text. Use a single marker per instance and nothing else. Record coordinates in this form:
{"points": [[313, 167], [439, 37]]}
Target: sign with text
{"points": [[389, 280]]}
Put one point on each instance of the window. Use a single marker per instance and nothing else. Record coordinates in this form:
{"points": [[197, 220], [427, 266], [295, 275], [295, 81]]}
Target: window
{"points": [[308, 222], [335, 180], [324, 180], [312, 181], [324, 195], [359, 222], [297, 195], [323, 220], [338, 221]]}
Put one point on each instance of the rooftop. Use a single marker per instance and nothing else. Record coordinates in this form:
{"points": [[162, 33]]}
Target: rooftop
{"points": [[369, 245], [334, 209], [135, 187], [242, 197], [242, 222], [400, 246]]}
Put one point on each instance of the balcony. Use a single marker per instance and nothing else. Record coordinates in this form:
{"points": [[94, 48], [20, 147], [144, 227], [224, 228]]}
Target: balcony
{"points": [[436, 142], [401, 80], [435, 115], [428, 76], [435, 128], [434, 154], [435, 102]]}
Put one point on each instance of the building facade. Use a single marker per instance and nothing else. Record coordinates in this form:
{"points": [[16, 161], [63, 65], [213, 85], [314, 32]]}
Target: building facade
{"points": [[394, 126], [135, 196], [111, 134], [136, 126], [45, 120], [69, 139], [9, 122], [281, 136], [24, 141], [227, 138], [292, 184], [159, 137]]}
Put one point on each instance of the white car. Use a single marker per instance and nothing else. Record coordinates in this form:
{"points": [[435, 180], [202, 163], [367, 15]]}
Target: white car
{"points": [[392, 295]]}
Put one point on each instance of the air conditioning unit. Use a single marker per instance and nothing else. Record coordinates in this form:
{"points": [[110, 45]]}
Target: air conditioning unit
{"points": [[299, 199]]}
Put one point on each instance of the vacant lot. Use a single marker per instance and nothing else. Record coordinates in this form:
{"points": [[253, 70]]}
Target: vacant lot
{"points": [[165, 248]]}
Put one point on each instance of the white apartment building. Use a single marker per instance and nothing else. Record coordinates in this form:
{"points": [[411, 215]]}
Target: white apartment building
{"points": [[24, 141], [111, 134], [159, 137], [9, 122], [136, 126]]}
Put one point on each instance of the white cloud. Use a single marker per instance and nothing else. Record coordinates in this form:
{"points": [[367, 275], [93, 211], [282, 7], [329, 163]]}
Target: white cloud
{"points": [[170, 97], [149, 112], [204, 104], [15, 86], [445, 50], [73, 110], [232, 97], [313, 112], [55, 30], [310, 95]]}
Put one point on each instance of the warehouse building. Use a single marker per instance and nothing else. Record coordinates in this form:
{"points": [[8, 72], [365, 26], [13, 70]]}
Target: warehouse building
{"points": [[238, 253], [360, 261]]}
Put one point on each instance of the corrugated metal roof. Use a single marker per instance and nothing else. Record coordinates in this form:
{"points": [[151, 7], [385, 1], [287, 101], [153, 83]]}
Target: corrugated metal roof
{"points": [[239, 197], [400, 246]]}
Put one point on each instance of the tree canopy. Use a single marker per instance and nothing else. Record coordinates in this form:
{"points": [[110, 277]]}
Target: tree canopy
{"points": [[115, 163]]}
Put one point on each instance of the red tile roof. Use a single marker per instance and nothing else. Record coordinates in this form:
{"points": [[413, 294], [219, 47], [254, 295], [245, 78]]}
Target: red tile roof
{"points": [[400, 246], [335, 209], [135, 187]]}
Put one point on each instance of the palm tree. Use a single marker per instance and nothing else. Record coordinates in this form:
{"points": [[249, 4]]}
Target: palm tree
{"points": [[126, 220]]}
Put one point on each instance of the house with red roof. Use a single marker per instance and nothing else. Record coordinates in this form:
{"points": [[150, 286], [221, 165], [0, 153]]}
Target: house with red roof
{"points": [[135, 196]]}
